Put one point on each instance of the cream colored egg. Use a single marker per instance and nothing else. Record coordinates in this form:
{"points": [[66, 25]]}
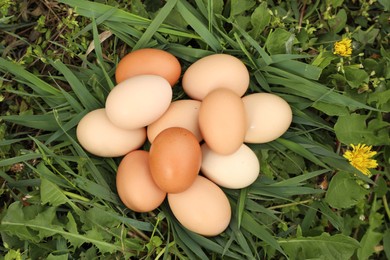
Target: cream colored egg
{"points": [[215, 71], [203, 208], [222, 121], [181, 113], [234, 171], [100, 137], [138, 101], [269, 116]]}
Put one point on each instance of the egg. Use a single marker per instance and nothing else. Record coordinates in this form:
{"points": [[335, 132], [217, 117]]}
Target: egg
{"points": [[234, 171], [100, 137], [135, 185], [222, 121], [215, 71], [269, 116], [181, 113], [138, 101], [203, 208], [175, 159], [149, 61]]}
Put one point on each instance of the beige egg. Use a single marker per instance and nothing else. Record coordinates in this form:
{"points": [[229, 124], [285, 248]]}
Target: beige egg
{"points": [[233, 171], [215, 71], [181, 113], [100, 137], [203, 208], [135, 184], [269, 116], [222, 121], [138, 101]]}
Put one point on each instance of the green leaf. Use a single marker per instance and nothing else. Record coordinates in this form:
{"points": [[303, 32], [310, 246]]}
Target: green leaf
{"points": [[71, 227], [15, 213], [79, 88], [188, 13], [250, 224], [276, 41], [386, 243], [366, 37], [344, 191], [368, 243], [260, 18], [353, 129], [356, 77], [324, 247], [52, 194], [331, 109], [338, 23], [57, 257], [385, 3], [239, 6], [155, 24]]}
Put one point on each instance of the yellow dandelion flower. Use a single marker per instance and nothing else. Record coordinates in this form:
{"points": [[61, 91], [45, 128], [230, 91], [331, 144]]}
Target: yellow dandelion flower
{"points": [[360, 158], [343, 48]]}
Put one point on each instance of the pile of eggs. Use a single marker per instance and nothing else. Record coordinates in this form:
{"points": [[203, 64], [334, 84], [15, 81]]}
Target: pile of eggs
{"points": [[197, 145]]}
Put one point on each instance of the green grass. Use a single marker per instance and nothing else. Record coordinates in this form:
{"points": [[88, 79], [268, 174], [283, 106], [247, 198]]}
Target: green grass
{"points": [[59, 202]]}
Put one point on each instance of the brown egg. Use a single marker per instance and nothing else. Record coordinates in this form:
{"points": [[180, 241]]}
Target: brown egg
{"points": [[222, 121], [203, 208], [135, 184], [181, 113], [175, 159], [149, 61]]}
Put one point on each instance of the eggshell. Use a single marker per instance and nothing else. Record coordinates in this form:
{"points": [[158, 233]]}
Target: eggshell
{"points": [[215, 71], [138, 101], [203, 208], [222, 121], [181, 113], [135, 184], [149, 61], [100, 137], [269, 116], [234, 171], [175, 159]]}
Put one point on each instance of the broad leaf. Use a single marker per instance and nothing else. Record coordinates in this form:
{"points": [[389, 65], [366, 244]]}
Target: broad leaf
{"points": [[321, 247], [344, 191]]}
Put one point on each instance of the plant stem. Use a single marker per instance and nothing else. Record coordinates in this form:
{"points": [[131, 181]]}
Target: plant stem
{"points": [[76, 196], [386, 206], [291, 204]]}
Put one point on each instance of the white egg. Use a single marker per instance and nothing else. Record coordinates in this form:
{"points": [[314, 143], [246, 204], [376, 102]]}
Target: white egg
{"points": [[234, 171]]}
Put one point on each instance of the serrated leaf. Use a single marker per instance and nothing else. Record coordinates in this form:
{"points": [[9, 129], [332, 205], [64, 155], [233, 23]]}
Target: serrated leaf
{"points": [[260, 18], [369, 241], [353, 129], [71, 226], [324, 247], [338, 23], [45, 218], [15, 213], [344, 191], [239, 6], [51, 193], [276, 41]]}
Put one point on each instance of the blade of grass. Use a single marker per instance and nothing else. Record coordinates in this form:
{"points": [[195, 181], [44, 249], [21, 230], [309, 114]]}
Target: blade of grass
{"points": [[99, 53], [82, 93], [250, 224], [298, 180], [155, 24], [187, 12], [298, 149]]}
